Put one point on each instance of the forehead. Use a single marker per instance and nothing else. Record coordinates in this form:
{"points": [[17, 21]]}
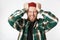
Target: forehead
{"points": [[32, 8]]}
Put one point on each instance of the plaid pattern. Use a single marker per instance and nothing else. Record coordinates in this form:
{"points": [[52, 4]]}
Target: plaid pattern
{"points": [[41, 26]]}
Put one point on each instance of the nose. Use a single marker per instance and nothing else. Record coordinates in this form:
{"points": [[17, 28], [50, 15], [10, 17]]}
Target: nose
{"points": [[32, 13]]}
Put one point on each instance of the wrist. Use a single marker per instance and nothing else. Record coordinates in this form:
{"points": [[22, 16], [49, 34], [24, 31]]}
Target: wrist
{"points": [[23, 10], [41, 11]]}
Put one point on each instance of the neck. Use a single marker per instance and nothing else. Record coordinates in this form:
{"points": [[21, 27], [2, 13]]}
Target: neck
{"points": [[32, 21]]}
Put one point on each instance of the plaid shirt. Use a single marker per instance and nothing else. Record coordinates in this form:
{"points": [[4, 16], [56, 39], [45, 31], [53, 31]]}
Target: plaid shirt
{"points": [[41, 25]]}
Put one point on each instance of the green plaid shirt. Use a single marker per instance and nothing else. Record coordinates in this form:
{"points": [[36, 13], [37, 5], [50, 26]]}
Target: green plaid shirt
{"points": [[41, 25]]}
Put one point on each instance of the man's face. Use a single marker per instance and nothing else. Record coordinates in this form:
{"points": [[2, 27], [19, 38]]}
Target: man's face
{"points": [[32, 14]]}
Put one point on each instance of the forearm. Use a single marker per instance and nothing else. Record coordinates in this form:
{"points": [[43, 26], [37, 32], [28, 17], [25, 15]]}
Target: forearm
{"points": [[15, 16], [49, 16], [51, 19]]}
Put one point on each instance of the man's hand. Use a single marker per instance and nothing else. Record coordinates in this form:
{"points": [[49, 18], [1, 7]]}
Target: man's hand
{"points": [[38, 6], [26, 6]]}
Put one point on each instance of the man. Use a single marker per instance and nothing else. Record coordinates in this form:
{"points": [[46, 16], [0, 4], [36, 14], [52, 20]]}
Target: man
{"points": [[32, 28]]}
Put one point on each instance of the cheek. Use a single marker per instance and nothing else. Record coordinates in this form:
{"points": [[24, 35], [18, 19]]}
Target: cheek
{"points": [[28, 14], [35, 14]]}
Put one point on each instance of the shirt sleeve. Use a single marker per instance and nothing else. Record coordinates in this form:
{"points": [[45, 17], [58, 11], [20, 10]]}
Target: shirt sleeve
{"points": [[14, 17], [50, 20]]}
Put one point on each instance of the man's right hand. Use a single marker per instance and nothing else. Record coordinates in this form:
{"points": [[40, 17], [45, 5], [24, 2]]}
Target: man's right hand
{"points": [[26, 6]]}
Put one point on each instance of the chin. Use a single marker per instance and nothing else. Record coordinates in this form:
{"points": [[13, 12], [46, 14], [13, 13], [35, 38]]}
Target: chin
{"points": [[32, 20]]}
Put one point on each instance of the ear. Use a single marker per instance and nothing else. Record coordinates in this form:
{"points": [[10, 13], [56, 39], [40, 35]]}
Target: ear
{"points": [[26, 6], [38, 6]]}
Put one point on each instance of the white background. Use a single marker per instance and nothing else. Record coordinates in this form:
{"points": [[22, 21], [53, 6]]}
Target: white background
{"points": [[7, 7]]}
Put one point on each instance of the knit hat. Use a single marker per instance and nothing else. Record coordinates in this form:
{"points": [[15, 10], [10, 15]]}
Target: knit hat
{"points": [[32, 4]]}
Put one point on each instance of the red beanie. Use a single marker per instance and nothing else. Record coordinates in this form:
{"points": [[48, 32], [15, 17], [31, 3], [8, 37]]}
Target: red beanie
{"points": [[32, 4]]}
